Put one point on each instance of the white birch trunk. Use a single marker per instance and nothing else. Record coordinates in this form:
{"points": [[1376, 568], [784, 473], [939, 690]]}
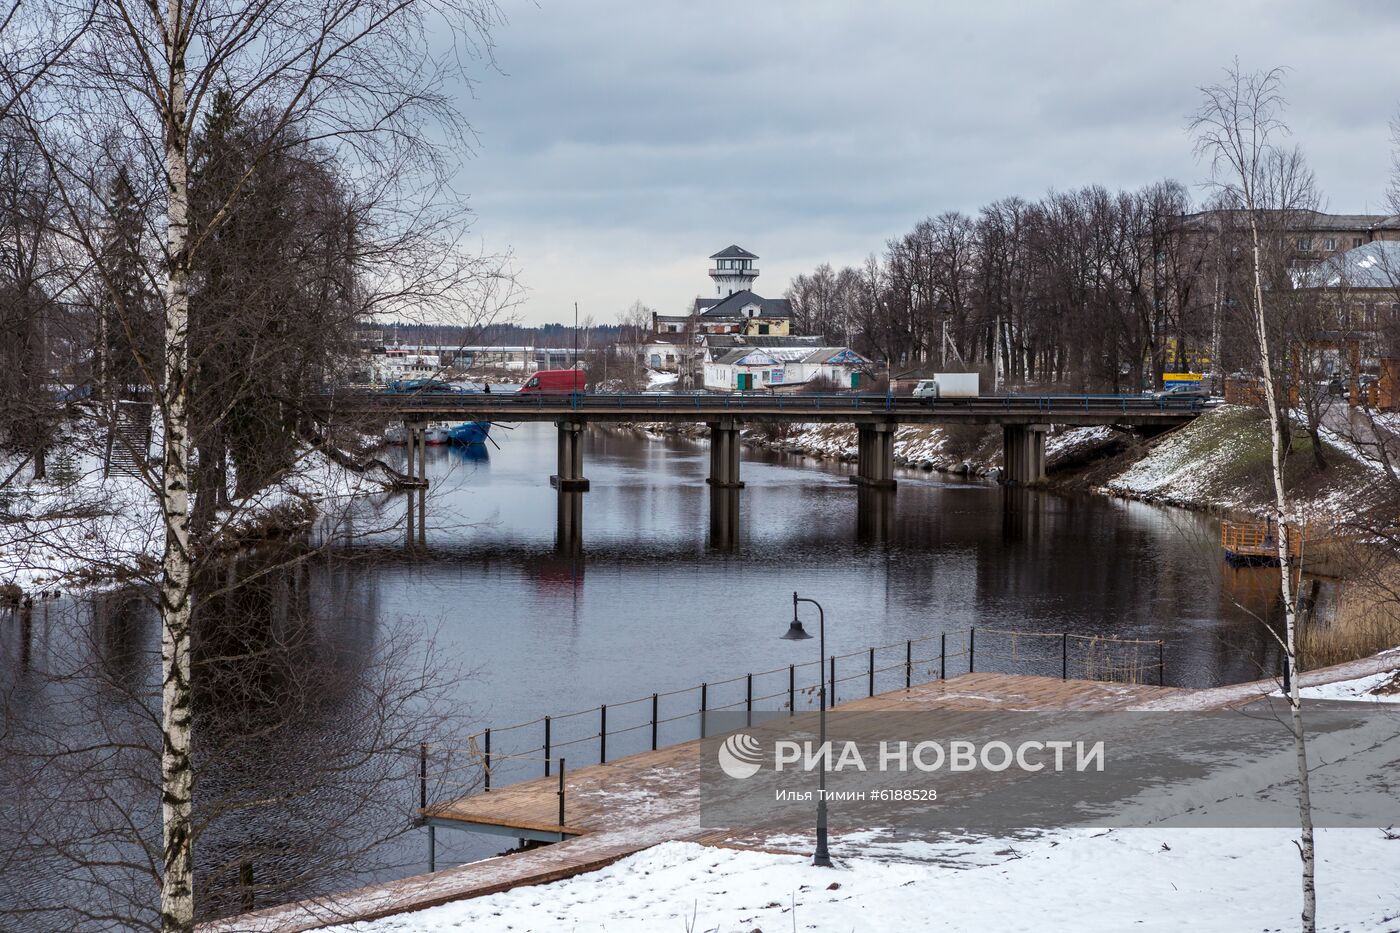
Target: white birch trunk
{"points": [[177, 773], [1285, 557]]}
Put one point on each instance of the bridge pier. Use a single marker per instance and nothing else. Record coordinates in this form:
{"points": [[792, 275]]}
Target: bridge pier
{"points": [[724, 454], [1023, 454], [570, 476], [875, 455]]}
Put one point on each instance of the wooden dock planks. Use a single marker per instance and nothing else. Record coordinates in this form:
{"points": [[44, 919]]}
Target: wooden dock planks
{"points": [[619, 793]]}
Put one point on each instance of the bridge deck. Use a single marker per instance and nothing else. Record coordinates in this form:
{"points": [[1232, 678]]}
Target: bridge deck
{"points": [[1009, 409]]}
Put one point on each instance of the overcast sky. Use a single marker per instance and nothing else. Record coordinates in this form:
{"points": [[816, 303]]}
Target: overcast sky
{"points": [[624, 141]]}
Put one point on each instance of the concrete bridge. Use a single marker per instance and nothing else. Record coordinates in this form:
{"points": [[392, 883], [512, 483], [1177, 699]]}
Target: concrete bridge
{"points": [[1025, 420]]}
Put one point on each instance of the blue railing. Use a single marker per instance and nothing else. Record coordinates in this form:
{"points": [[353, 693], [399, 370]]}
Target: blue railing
{"points": [[743, 401]]}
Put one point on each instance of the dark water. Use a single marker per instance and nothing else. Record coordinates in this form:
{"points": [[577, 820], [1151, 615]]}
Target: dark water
{"points": [[653, 586], [666, 589]]}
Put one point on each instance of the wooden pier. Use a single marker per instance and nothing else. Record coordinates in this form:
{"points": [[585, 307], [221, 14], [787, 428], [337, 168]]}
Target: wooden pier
{"points": [[623, 793], [1256, 542]]}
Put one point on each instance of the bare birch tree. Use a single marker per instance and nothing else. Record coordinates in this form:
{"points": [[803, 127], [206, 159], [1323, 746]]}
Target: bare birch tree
{"points": [[1238, 128], [370, 81]]}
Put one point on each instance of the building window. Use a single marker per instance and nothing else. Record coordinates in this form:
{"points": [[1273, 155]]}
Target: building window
{"points": [[1304, 244], [1355, 242], [1329, 243]]}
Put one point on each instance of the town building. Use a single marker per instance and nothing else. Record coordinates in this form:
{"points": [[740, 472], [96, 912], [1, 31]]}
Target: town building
{"points": [[787, 368], [1308, 236], [734, 308]]}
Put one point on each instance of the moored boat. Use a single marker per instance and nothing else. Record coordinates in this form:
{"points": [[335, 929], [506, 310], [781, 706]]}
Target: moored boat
{"points": [[469, 432]]}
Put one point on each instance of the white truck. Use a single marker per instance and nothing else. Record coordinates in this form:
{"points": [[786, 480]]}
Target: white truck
{"points": [[947, 386]]}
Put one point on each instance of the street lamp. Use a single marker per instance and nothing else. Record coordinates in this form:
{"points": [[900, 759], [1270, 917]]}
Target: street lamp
{"points": [[821, 857]]}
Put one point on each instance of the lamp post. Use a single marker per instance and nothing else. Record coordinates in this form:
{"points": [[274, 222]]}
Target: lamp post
{"points": [[821, 857]]}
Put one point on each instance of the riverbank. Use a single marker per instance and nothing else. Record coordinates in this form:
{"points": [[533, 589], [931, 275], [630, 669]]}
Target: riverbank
{"points": [[1217, 463], [79, 528]]}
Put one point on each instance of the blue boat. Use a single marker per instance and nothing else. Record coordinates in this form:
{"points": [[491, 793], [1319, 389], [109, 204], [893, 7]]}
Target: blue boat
{"points": [[469, 432]]}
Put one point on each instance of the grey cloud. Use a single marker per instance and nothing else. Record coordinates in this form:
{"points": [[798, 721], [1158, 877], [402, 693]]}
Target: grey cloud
{"points": [[812, 131]]}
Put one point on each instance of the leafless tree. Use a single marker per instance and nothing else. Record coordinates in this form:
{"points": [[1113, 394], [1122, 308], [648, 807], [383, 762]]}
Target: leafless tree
{"points": [[360, 80], [1238, 128]]}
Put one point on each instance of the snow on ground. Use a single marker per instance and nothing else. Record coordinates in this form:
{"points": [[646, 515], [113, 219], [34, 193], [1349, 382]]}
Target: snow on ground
{"points": [[79, 527], [1180, 469], [1081, 880], [1379, 688], [1221, 461], [1076, 438], [1202, 880], [657, 380]]}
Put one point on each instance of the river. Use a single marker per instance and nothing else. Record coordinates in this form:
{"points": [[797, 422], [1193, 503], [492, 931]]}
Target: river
{"points": [[659, 589]]}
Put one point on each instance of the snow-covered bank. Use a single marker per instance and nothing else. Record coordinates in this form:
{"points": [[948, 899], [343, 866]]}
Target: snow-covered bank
{"points": [[78, 528], [1204, 880], [962, 449], [1220, 462]]}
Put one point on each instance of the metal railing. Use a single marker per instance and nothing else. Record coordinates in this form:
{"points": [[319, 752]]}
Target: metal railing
{"points": [[768, 401], [657, 720]]}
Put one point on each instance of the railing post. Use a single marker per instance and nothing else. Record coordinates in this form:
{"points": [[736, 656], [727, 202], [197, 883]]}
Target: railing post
{"points": [[792, 689], [561, 799], [748, 699], [704, 705], [908, 663], [487, 768], [1161, 665], [872, 672], [1064, 655], [943, 656], [653, 721], [423, 775], [971, 648], [831, 694], [546, 746], [603, 734], [432, 847]]}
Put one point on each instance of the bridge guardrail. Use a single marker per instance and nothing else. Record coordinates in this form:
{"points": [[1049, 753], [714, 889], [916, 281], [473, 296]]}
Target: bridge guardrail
{"points": [[718, 404]]}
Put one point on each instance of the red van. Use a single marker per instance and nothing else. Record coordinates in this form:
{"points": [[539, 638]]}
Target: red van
{"points": [[554, 382]]}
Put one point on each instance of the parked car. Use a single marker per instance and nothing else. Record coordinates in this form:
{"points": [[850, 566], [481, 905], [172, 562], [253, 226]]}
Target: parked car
{"points": [[555, 382]]}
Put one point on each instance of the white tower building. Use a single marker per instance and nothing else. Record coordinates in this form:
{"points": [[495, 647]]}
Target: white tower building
{"points": [[733, 270]]}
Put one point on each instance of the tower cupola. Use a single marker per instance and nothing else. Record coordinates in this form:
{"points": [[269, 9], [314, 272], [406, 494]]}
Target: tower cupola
{"points": [[733, 270]]}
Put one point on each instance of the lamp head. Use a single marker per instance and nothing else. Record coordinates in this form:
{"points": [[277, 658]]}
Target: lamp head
{"points": [[795, 630]]}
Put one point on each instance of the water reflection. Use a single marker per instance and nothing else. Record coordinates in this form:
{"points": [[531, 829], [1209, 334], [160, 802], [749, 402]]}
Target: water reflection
{"points": [[724, 518], [874, 515], [568, 528], [308, 711]]}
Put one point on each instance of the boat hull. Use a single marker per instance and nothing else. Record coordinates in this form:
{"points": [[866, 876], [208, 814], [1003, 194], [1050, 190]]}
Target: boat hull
{"points": [[470, 432]]}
